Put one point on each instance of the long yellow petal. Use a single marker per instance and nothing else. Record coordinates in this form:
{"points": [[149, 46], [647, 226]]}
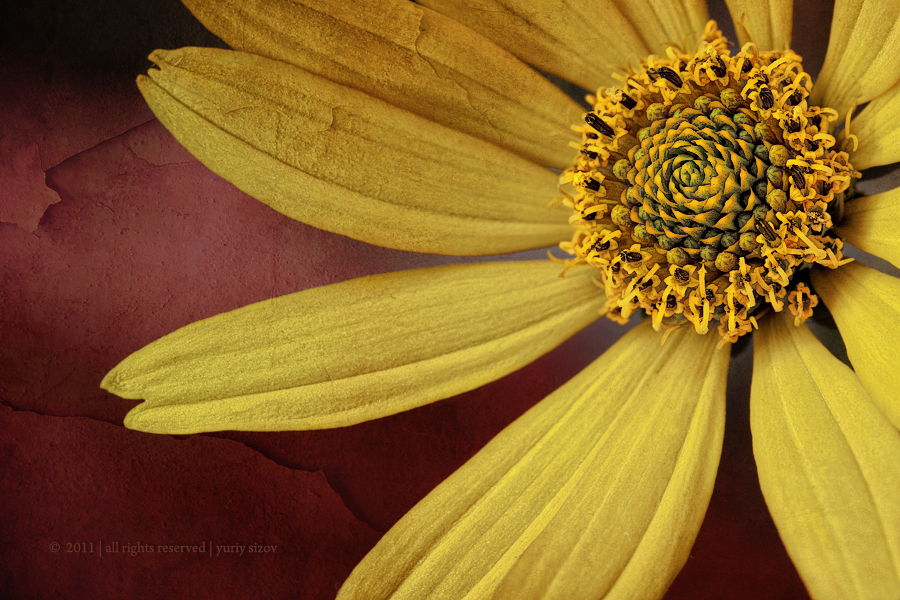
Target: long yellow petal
{"points": [[878, 131], [861, 62], [353, 351], [596, 492], [411, 57], [871, 222], [582, 41], [767, 24], [866, 307], [829, 466], [340, 160]]}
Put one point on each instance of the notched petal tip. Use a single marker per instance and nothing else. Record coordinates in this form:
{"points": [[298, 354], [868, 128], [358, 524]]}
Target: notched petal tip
{"points": [[143, 418], [116, 382]]}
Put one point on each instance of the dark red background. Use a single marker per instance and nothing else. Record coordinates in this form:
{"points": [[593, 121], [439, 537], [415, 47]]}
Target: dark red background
{"points": [[112, 236]]}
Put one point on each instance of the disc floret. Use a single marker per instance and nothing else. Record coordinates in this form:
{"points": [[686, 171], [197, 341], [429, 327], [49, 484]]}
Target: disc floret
{"points": [[703, 185]]}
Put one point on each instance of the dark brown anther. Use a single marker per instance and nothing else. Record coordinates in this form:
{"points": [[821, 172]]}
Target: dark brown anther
{"points": [[600, 246], [797, 178], [631, 257], [590, 154], [766, 100], [812, 145], [671, 302], [765, 228], [627, 101], [682, 65], [719, 69], [794, 224], [823, 188], [592, 184], [747, 66], [645, 284], [615, 268], [682, 276], [591, 135], [792, 126], [795, 98], [598, 124], [710, 295], [670, 76], [815, 121]]}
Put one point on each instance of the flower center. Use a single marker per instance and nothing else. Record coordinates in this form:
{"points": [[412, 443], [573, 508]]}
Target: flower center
{"points": [[704, 185]]}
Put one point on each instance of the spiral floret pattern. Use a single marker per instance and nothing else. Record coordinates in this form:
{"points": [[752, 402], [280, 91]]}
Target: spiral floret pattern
{"points": [[697, 184], [704, 185]]}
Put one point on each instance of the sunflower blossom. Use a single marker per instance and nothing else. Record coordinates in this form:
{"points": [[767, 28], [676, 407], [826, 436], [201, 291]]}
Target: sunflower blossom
{"points": [[709, 187]]}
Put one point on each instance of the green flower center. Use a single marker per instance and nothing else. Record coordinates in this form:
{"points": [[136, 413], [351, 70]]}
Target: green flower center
{"points": [[714, 170], [699, 184]]}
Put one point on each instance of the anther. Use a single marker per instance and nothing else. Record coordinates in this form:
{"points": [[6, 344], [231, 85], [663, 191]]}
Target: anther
{"points": [[812, 145], [765, 228], [670, 76], [591, 155], [631, 257], [815, 121], [627, 101], [795, 98], [747, 66], [720, 69], [598, 124], [793, 126], [600, 246], [682, 276], [797, 178], [766, 100], [592, 184]]}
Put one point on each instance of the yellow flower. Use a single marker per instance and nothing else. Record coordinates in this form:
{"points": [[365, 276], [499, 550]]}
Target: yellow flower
{"points": [[391, 123]]}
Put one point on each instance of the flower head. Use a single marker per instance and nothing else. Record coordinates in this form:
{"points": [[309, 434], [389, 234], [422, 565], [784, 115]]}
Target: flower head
{"points": [[710, 189]]}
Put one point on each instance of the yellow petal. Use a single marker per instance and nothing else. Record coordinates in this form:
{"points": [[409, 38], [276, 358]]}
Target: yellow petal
{"points": [[871, 222], [767, 24], [829, 466], [660, 22], [861, 62], [353, 351], [583, 41], [340, 160], [596, 492], [878, 131], [410, 57], [866, 307]]}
